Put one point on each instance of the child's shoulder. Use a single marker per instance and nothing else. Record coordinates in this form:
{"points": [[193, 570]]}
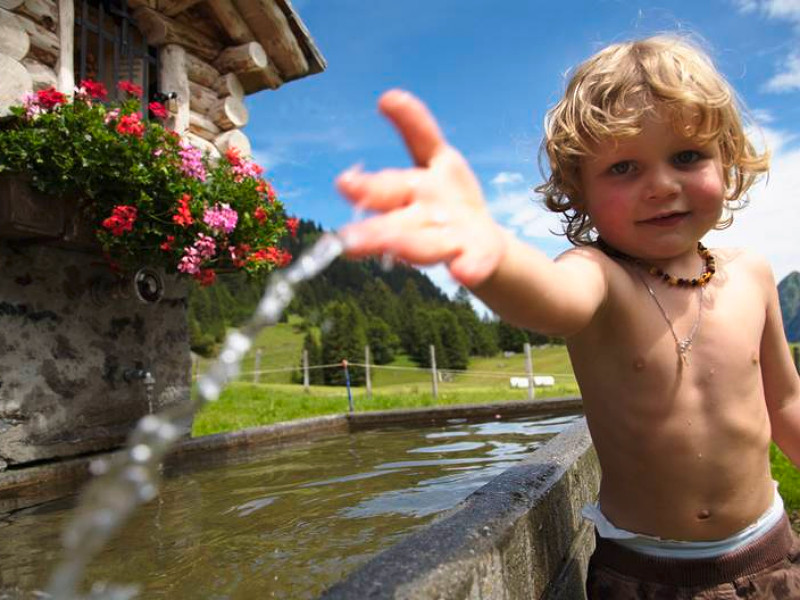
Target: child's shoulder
{"points": [[744, 260], [745, 265]]}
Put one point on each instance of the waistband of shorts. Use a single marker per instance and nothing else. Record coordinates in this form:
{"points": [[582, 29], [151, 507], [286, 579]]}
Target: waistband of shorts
{"points": [[769, 549]]}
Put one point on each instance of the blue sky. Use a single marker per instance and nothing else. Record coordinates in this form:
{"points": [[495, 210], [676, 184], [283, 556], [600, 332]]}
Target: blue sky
{"points": [[489, 70]]}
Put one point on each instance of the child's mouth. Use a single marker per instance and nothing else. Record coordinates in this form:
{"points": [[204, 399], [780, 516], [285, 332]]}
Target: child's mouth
{"points": [[666, 220]]}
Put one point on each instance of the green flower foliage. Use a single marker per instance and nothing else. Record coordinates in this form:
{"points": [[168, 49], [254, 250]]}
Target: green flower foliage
{"points": [[151, 198]]}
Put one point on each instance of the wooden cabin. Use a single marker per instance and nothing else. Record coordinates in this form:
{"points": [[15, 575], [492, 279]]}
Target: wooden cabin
{"points": [[204, 54]]}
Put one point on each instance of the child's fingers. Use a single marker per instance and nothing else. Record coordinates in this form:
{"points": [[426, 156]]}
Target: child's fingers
{"points": [[415, 123], [389, 234], [384, 190]]}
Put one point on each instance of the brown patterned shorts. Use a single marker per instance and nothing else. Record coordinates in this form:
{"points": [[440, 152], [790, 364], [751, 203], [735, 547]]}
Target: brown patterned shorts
{"points": [[768, 568]]}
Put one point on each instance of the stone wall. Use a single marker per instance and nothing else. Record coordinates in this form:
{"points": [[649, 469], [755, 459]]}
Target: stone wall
{"points": [[69, 335]]}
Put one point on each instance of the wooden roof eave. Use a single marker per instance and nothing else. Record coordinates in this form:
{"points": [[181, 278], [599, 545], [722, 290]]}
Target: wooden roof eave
{"points": [[273, 24]]}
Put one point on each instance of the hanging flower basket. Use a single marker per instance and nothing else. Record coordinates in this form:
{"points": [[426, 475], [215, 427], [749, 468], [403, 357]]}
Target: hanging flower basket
{"points": [[81, 172]]}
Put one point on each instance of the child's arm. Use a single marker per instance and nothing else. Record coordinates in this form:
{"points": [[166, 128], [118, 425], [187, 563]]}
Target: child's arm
{"points": [[781, 381], [435, 212]]}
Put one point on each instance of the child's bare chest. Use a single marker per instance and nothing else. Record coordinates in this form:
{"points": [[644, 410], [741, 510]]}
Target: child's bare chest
{"points": [[677, 353]]}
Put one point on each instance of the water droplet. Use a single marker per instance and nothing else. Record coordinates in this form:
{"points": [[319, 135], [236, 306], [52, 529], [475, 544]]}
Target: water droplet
{"points": [[141, 453], [167, 431], [98, 467], [147, 492], [228, 356], [149, 424], [209, 389], [238, 342]]}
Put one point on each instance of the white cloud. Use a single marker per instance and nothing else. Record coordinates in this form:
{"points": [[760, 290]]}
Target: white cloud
{"points": [[769, 225], [788, 79], [507, 178], [762, 116], [782, 9], [774, 9], [513, 204]]}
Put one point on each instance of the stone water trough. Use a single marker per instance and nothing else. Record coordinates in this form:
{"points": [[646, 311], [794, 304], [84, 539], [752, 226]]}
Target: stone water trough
{"points": [[519, 536]]}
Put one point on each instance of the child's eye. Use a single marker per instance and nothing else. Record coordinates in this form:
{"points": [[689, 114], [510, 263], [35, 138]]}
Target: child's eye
{"points": [[621, 168], [687, 157]]}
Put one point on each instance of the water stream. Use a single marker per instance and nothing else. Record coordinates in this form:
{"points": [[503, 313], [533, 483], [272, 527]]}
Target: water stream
{"points": [[131, 477]]}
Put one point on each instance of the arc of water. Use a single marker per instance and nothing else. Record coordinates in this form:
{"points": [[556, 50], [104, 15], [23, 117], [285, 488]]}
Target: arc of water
{"points": [[130, 478]]}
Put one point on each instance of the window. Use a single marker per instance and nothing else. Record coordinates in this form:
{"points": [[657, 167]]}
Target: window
{"points": [[109, 48]]}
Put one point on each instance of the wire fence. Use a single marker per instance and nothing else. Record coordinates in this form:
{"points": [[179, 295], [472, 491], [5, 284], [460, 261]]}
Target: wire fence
{"points": [[368, 377]]}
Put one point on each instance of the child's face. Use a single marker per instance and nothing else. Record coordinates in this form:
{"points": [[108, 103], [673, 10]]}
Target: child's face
{"points": [[655, 195]]}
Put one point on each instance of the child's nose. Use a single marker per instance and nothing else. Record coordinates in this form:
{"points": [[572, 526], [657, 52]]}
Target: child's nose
{"points": [[662, 182]]}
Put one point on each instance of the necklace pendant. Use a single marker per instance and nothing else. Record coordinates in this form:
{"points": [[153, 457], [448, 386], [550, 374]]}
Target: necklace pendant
{"points": [[684, 347]]}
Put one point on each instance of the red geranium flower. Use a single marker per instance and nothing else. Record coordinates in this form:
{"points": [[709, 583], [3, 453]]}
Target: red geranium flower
{"points": [[260, 214], [50, 97], [232, 155], [121, 220], [183, 214], [158, 110], [271, 254], [95, 89], [166, 246], [264, 187], [131, 124], [130, 88], [291, 225], [206, 277]]}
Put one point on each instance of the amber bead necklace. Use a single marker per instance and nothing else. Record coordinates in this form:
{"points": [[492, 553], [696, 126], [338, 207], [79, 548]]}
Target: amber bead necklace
{"points": [[683, 346]]}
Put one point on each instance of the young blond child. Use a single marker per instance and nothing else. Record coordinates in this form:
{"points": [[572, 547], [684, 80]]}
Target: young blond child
{"points": [[679, 352]]}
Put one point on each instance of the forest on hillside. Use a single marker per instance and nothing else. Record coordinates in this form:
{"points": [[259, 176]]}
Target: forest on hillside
{"points": [[355, 303]]}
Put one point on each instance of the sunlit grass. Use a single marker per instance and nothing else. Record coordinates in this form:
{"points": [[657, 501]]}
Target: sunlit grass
{"points": [[787, 476], [250, 405]]}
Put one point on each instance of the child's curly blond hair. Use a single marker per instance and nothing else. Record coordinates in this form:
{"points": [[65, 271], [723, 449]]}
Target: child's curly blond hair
{"points": [[608, 96]]}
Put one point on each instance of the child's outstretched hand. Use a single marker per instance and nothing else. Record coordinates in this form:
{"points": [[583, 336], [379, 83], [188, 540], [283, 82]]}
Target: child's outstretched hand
{"points": [[434, 212]]}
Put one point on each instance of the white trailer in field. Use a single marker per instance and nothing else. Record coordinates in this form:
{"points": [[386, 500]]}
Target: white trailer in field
{"points": [[538, 381]]}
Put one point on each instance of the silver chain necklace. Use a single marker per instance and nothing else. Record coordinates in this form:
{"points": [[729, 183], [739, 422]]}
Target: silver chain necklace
{"points": [[683, 346]]}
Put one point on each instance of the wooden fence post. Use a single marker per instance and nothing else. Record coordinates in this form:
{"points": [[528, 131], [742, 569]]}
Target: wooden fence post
{"points": [[367, 373], [257, 367], [529, 371], [434, 377], [306, 377]]}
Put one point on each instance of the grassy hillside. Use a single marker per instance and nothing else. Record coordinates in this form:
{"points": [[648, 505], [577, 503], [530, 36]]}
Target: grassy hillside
{"points": [[281, 348]]}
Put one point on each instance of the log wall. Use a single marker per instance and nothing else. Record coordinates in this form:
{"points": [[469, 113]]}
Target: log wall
{"points": [[36, 52]]}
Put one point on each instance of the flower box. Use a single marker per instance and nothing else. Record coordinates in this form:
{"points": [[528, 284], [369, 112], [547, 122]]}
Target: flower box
{"points": [[132, 188], [27, 214]]}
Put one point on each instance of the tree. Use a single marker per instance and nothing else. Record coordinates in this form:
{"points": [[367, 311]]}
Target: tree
{"points": [[378, 300], [454, 349], [407, 311], [424, 333], [510, 338], [480, 335], [343, 338], [383, 342]]}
